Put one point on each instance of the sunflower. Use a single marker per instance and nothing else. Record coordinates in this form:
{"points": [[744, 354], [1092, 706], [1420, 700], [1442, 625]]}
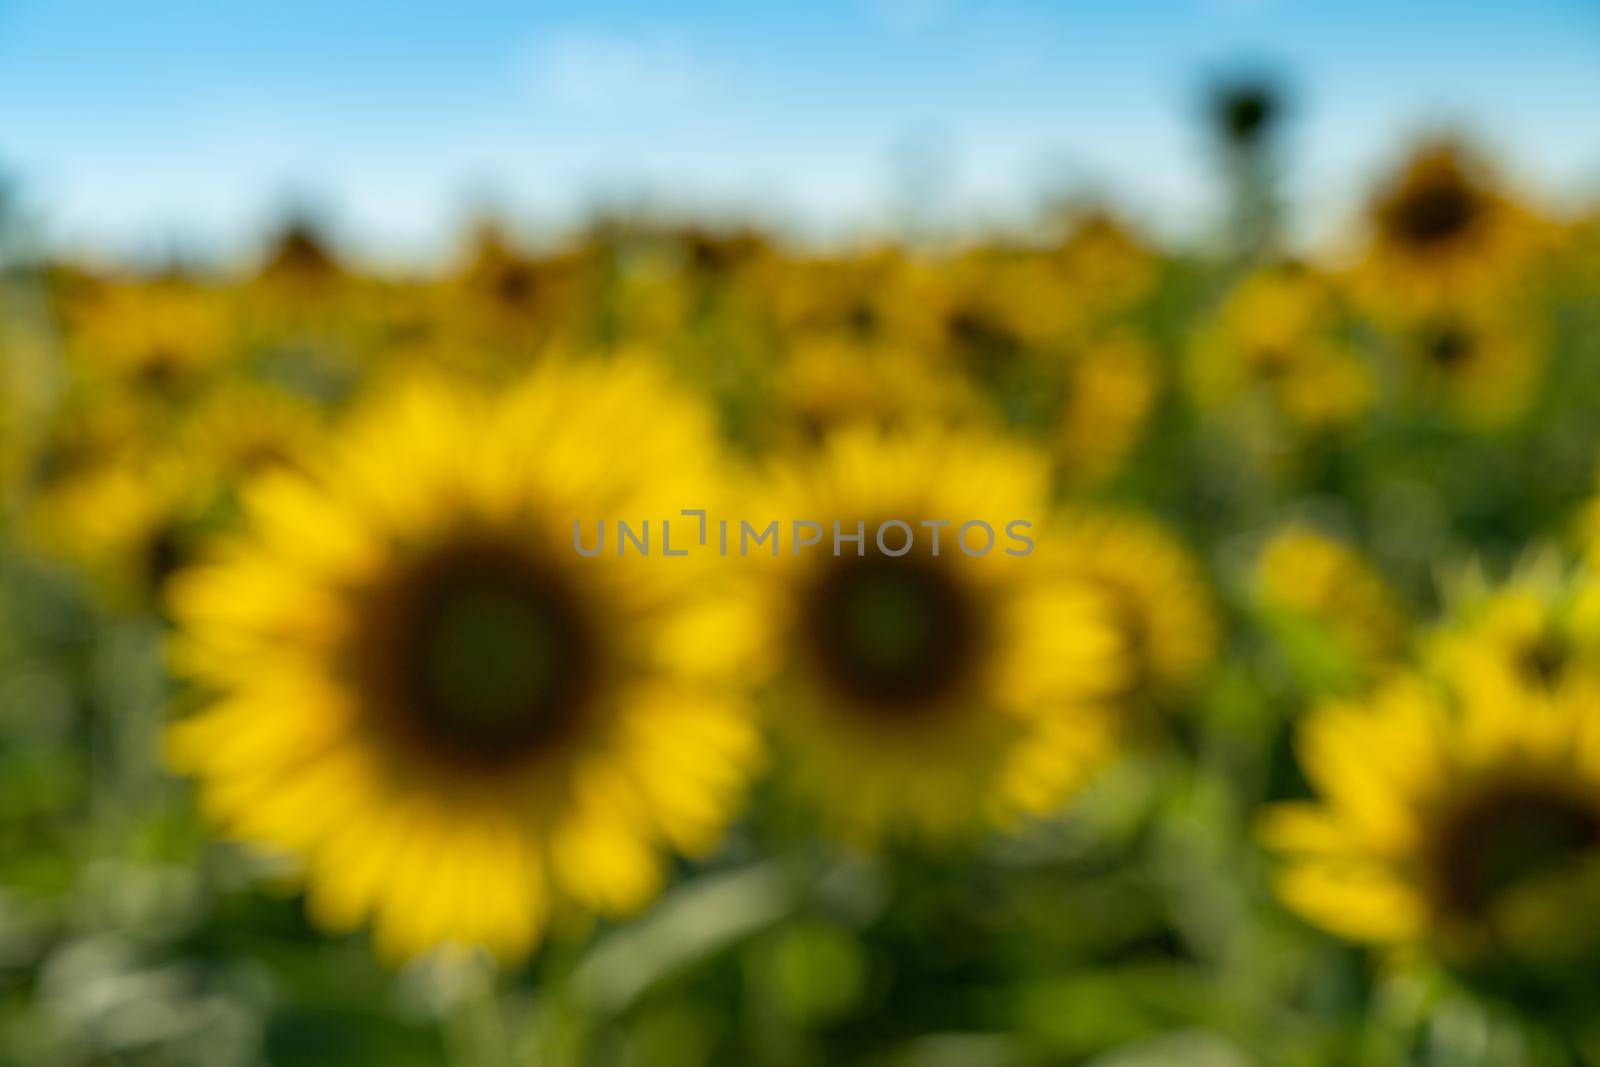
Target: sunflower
{"points": [[826, 384], [1153, 591], [1444, 228], [82, 437], [456, 723], [1275, 340], [503, 296], [712, 257], [1246, 112], [860, 296], [1337, 616], [302, 304], [127, 520], [245, 428], [154, 340], [923, 689], [1451, 821], [300, 256], [988, 311], [1540, 632], [125, 499], [1481, 358], [1110, 387], [1106, 264]]}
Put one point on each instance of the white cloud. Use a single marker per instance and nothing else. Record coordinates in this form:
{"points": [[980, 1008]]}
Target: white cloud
{"points": [[589, 71]]}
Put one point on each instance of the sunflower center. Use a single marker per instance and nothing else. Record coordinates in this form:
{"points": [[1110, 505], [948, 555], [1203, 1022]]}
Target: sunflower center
{"points": [[481, 650], [1544, 659], [1448, 346], [165, 551], [1434, 214], [861, 319], [1271, 362], [514, 285], [489, 658], [1511, 836], [892, 633], [160, 369], [981, 338]]}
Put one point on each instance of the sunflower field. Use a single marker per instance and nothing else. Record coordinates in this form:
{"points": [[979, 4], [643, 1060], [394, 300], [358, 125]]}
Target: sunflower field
{"points": [[680, 644]]}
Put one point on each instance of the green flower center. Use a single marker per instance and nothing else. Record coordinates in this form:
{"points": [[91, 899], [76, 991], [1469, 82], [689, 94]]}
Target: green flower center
{"points": [[893, 633], [480, 650], [490, 655]]}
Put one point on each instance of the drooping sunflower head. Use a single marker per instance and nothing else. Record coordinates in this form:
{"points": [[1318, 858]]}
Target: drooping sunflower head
{"points": [[425, 693], [1246, 111], [928, 687], [1453, 822]]}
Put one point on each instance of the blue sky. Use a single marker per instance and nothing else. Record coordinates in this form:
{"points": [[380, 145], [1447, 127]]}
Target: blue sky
{"points": [[154, 125]]}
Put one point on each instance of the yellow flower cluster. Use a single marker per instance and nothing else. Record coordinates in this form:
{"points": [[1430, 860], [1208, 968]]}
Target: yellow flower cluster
{"points": [[356, 501], [1458, 805]]}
